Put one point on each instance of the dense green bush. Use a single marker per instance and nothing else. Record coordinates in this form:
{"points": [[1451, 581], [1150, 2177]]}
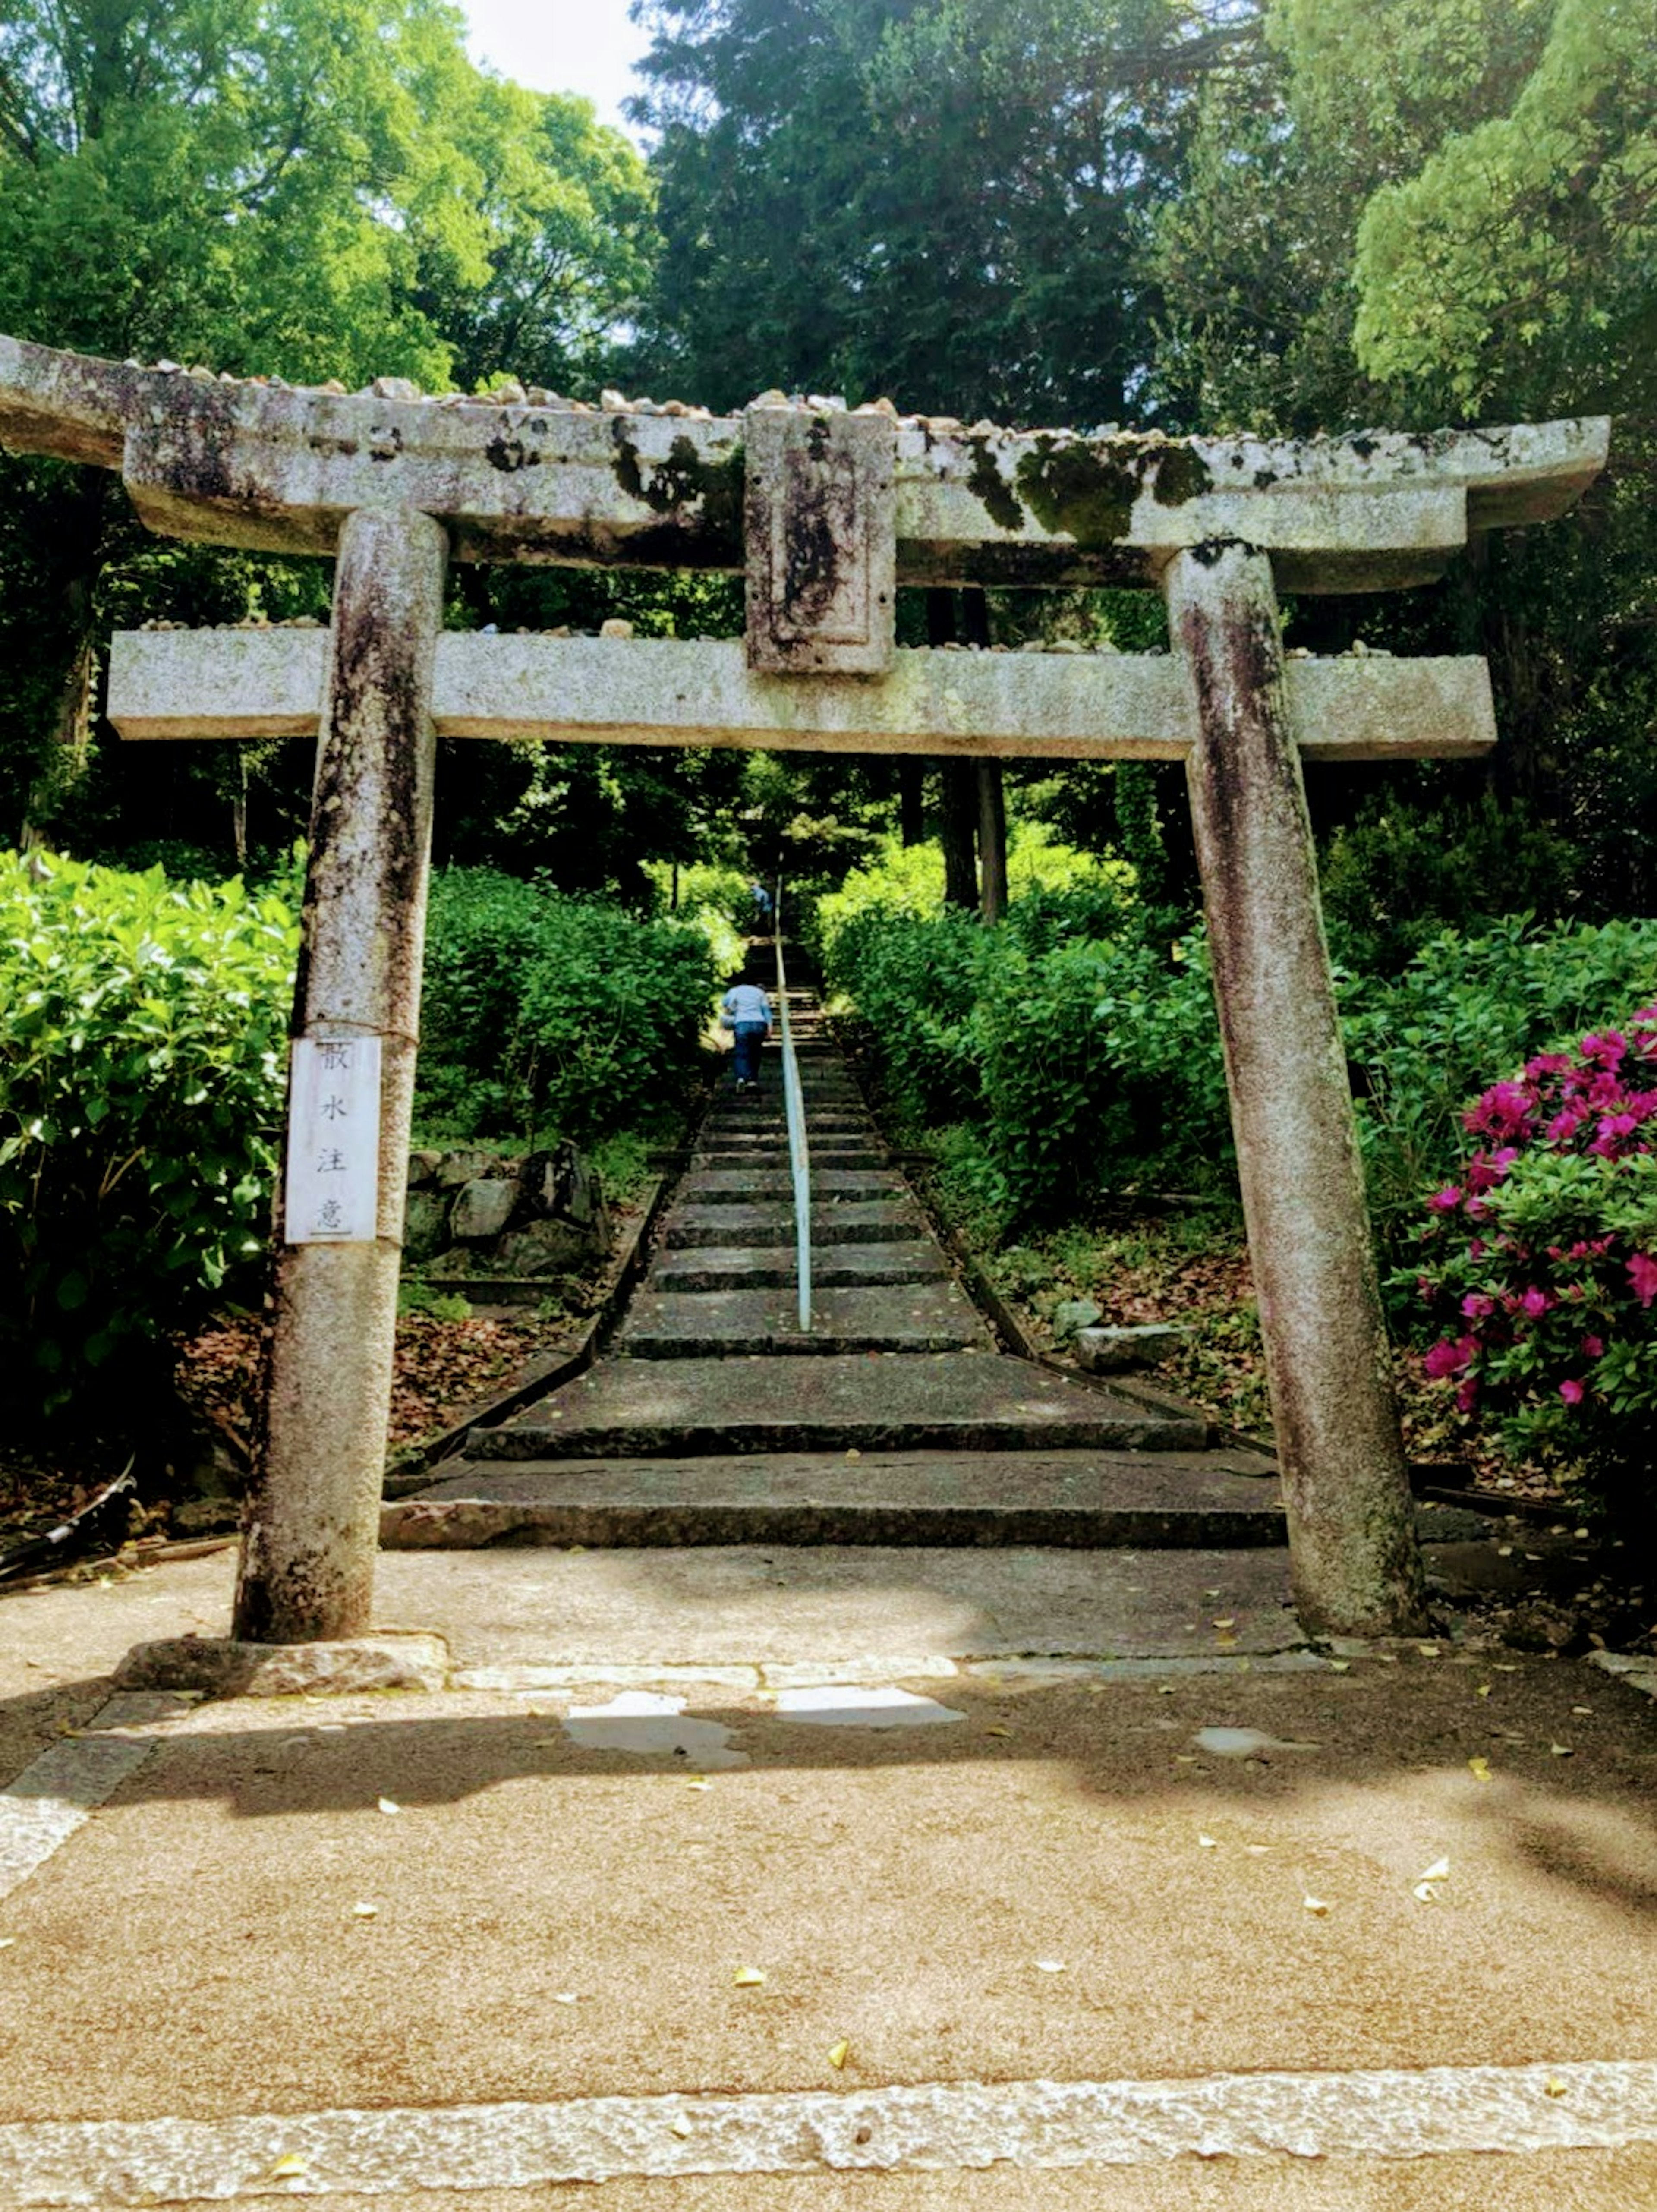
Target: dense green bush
{"points": [[143, 1053], [1400, 876], [1080, 1039], [545, 1014], [1422, 1043]]}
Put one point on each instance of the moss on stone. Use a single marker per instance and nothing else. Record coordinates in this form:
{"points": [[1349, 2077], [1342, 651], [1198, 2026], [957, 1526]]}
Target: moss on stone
{"points": [[1086, 487], [986, 482]]}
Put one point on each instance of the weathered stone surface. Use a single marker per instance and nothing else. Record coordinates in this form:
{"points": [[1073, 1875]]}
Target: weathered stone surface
{"points": [[763, 1267], [962, 1400], [820, 536], [268, 683], [1114, 1350], [668, 1324], [272, 468], [1074, 1499], [483, 1209], [309, 1538], [543, 1247], [1357, 1566], [467, 1163], [224, 1668], [425, 1226], [422, 1168], [874, 1221]]}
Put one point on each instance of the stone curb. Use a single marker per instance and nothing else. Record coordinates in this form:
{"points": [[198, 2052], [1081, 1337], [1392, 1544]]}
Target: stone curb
{"points": [[219, 1667]]}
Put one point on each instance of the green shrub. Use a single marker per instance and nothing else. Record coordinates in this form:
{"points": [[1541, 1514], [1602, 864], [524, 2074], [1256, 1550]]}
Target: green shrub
{"points": [[546, 1014], [142, 1057], [1423, 1042], [1400, 876]]}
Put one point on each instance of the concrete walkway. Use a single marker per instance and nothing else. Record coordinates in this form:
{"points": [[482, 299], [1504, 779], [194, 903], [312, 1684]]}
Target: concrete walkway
{"points": [[789, 1918]]}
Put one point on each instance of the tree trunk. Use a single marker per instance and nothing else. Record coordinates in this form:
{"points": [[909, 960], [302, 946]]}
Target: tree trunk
{"points": [[910, 801], [991, 787], [992, 839], [957, 780]]}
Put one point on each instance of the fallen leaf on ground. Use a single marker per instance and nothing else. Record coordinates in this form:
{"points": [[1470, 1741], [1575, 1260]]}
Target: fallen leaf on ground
{"points": [[1553, 2087], [1425, 1893], [1226, 1620], [1049, 1965], [1484, 1689], [998, 1730], [1479, 1769], [565, 1997], [1439, 1871], [1207, 1843], [390, 1805], [1563, 1750], [364, 1911], [838, 2053], [1318, 1906], [697, 1781], [681, 2126], [749, 1978], [288, 2168], [1340, 1666], [6, 1942]]}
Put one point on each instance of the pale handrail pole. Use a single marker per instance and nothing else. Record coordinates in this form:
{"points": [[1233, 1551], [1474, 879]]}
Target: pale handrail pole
{"points": [[799, 1158]]}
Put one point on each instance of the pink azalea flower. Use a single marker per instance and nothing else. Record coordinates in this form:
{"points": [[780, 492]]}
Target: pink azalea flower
{"points": [[1446, 1201], [1534, 1303], [1571, 1392], [1477, 1306], [1449, 1358], [1593, 1347], [1466, 1396], [1642, 1275]]}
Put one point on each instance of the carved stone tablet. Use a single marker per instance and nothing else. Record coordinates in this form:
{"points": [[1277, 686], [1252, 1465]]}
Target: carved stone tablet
{"points": [[821, 542]]}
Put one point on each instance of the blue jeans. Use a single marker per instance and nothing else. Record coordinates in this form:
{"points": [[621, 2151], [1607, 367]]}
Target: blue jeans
{"points": [[748, 1037]]}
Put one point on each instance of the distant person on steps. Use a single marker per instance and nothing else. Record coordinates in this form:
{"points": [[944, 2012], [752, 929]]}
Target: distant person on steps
{"points": [[748, 1016]]}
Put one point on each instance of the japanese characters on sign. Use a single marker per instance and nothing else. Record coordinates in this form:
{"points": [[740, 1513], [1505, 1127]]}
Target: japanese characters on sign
{"points": [[333, 1141]]}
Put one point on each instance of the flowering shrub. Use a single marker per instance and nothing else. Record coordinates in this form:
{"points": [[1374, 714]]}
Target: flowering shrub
{"points": [[1540, 1259]]}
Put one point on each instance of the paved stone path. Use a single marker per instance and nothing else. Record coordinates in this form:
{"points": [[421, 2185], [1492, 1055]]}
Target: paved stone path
{"points": [[893, 1419]]}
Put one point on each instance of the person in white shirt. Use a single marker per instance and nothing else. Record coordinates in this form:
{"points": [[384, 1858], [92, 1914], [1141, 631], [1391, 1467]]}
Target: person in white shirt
{"points": [[747, 1017]]}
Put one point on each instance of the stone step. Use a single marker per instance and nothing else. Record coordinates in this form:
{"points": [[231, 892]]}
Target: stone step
{"points": [[789, 1401], [775, 1155], [665, 1324], [1085, 1499], [841, 1266], [752, 1186], [876, 1221]]}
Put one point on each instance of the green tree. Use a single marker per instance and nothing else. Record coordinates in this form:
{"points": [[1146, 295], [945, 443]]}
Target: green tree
{"points": [[290, 189], [946, 199]]}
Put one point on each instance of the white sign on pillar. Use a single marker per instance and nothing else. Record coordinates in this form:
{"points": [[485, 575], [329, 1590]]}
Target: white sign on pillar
{"points": [[332, 1194]]}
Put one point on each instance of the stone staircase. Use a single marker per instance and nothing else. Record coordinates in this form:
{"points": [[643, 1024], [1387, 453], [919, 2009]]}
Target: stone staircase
{"points": [[894, 1419]]}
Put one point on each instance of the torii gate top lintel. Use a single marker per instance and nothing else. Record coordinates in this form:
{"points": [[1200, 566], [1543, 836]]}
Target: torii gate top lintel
{"points": [[527, 476]]}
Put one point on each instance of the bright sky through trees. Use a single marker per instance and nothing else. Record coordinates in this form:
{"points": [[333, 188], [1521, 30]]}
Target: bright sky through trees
{"points": [[587, 46]]}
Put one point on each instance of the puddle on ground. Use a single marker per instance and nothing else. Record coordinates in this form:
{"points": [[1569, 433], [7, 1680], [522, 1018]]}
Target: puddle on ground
{"points": [[833, 1705], [653, 1727]]}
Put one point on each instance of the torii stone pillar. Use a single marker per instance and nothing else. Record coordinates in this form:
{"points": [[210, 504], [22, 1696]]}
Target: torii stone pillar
{"points": [[312, 1524], [1346, 1493]]}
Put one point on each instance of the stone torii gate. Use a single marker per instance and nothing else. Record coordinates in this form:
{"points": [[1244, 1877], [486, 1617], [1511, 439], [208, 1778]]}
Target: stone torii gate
{"points": [[826, 512]]}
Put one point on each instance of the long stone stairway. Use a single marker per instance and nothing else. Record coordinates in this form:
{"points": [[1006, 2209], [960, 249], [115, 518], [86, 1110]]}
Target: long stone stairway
{"points": [[894, 1419]]}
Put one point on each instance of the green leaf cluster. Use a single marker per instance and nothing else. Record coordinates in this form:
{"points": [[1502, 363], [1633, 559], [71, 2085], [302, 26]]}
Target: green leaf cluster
{"points": [[143, 1058], [549, 1015]]}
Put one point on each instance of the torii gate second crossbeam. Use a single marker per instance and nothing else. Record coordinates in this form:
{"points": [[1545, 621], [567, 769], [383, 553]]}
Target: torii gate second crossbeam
{"points": [[827, 512]]}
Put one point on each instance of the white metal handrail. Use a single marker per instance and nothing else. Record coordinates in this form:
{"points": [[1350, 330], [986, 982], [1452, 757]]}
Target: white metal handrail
{"points": [[799, 1158]]}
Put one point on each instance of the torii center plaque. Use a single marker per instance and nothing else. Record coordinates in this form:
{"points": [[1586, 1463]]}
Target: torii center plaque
{"points": [[827, 512]]}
